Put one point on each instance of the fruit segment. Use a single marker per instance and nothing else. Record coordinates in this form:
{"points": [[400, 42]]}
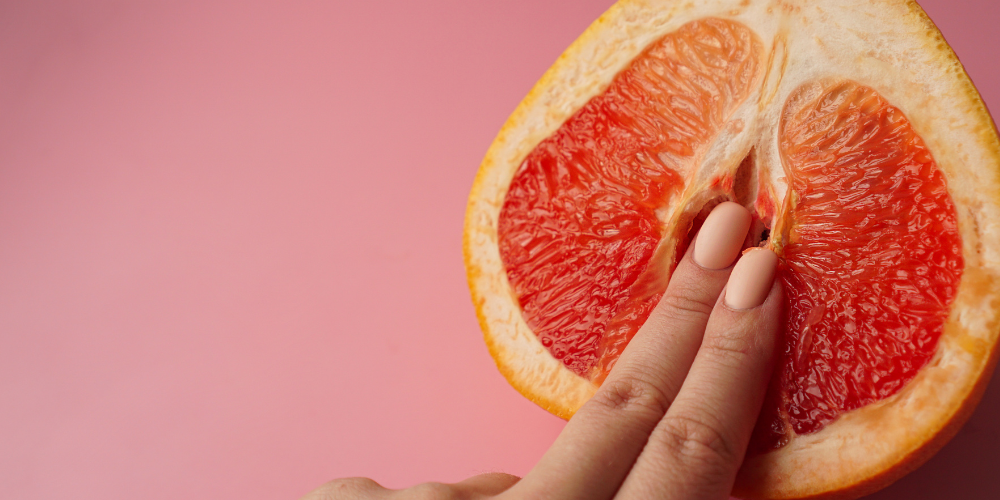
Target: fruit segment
{"points": [[870, 167], [870, 252], [579, 225], [872, 260]]}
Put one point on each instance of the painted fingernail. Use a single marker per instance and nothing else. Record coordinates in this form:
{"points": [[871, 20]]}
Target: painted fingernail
{"points": [[721, 236], [751, 279]]}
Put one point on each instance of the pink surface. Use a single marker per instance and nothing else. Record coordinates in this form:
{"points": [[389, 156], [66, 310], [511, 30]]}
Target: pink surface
{"points": [[230, 233]]}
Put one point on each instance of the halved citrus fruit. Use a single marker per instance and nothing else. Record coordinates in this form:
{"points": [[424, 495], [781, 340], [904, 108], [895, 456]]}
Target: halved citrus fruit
{"points": [[855, 137]]}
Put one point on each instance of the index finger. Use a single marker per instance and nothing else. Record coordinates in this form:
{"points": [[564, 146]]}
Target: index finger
{"points": [[697, 448], [597, 448]]}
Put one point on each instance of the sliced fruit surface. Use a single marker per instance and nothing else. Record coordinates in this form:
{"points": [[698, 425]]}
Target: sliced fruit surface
{"points": [[579, 223], [871, 261], [870, 163]]}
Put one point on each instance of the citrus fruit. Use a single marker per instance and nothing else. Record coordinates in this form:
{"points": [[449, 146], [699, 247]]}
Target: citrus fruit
{"points": [[851, 132]]}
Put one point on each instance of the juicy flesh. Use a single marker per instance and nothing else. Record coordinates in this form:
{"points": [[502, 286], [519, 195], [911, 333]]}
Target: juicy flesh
{"points": [[873, 257], [578, 227], [870, 262]]}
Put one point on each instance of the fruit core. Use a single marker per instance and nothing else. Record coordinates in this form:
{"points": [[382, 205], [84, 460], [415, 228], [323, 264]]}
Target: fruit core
{"points": [[870, 252]]}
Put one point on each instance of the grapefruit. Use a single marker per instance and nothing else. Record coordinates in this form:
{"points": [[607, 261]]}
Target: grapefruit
{"points": [[851, 132]]}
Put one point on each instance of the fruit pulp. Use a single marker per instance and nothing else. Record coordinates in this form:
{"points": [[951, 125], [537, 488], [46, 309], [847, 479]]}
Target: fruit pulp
{"points": [[870, 261], [579, 223], [873, 258]]}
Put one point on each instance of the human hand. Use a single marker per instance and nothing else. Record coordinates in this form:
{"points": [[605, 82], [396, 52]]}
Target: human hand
{"points": [[674, 417]]}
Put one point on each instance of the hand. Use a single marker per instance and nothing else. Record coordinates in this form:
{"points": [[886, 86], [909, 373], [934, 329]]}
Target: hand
{"points": [[674, 416]]}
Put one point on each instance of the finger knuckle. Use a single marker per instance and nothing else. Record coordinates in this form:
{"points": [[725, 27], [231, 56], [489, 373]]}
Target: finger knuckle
{"points": [[686, 305], [431, 491], [630, 393], [730, 347], [695, 442], [345, 489]]}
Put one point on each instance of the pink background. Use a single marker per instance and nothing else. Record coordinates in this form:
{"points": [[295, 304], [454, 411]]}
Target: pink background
{"points": [[230, 244]]}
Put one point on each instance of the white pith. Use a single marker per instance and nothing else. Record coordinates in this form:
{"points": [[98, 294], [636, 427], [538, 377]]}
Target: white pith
{"points": [[887, 45]]}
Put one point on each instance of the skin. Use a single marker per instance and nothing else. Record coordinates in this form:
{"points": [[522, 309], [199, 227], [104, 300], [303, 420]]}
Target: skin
{"points": [[674, 417]]}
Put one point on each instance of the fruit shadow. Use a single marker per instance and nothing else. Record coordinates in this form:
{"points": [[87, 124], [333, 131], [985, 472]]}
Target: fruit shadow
{"points": [[966, 467]]}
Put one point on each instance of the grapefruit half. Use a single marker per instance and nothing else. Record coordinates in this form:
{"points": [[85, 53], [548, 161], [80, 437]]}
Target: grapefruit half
{"points": [[855, 137]]}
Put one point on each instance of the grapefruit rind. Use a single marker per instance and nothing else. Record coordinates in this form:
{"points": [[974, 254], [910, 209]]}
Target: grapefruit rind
{"points": [[889, 45]]}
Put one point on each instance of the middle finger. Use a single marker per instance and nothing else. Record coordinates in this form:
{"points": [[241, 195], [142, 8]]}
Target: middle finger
{"points": [[596, 449]]}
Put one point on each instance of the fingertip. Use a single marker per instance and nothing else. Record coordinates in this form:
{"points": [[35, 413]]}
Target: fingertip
{"points": [[752, 279], [490, 483], [721, 236]]}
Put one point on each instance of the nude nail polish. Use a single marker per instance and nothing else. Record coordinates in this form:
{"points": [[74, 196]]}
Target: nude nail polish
{"points": [[721, 236], [751, 280]]}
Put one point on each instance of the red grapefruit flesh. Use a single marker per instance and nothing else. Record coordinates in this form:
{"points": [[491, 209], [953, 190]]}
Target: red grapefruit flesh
{"points": [[872, 261], [873, 257], [579, 224], [872, 167]]}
